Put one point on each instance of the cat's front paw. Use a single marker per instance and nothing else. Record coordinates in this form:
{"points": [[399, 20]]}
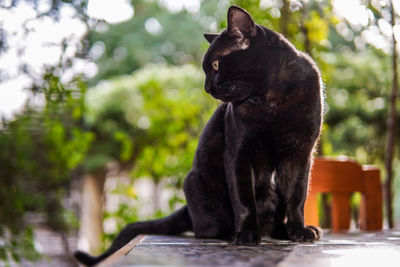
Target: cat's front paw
{"points": [[247, 238], [307, 234]]}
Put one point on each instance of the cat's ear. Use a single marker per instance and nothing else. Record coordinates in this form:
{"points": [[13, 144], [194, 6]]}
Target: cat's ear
{"points": [[240, 23], [210, 37]]}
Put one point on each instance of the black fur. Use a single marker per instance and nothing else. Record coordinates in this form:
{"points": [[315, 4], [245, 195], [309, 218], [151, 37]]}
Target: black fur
{"points": [[250, 172]]}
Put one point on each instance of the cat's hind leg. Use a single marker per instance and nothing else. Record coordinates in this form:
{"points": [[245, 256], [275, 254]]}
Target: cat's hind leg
{"points": [[271, 212], [209, 205], [205, 186], [279, 230]]}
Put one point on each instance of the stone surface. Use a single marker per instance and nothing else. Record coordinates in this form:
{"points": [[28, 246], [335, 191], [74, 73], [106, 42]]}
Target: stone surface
{"points": [[350, 249]]}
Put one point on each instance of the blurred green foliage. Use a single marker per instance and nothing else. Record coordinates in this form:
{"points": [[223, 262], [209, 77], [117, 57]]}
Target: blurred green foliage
{"points": [[154, 116], [154, 35], [39, 153], [355, 122]]}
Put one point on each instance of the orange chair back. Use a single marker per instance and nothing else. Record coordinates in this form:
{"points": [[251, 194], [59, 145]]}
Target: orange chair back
{"points": [[342, 177]]}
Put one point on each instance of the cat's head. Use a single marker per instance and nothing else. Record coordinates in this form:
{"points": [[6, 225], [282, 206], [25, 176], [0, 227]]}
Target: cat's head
{"points": [[230, 63]]}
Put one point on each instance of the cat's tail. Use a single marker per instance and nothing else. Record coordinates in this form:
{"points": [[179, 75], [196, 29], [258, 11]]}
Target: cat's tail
{"points": [[176, 223]]}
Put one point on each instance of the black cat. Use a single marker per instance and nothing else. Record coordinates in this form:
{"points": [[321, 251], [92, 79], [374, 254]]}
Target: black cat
{"points": [[250, 172]]}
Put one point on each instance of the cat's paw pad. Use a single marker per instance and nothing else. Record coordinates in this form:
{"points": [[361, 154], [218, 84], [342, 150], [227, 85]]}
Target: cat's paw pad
{"points": [[247, 238], [307, 234], [317, 231]]}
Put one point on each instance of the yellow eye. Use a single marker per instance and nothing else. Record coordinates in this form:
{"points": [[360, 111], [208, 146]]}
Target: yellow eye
{"points": [[215, 64]]}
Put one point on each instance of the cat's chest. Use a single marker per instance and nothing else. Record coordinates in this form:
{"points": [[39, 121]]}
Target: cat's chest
{"points": [[255, 119], [241, 132], [261, 133]]}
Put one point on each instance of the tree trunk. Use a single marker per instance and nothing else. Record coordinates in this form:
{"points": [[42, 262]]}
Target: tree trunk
{"points": [[92, 212], [304, 30], [285, 17], [390, 146]]}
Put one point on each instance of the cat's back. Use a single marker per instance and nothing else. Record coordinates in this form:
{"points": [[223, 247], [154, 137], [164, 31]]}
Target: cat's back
{"points": [[293, 64], [305, 67]]}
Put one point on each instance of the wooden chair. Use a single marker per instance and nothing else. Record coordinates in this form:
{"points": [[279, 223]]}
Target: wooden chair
{"points": [[341, 177]]}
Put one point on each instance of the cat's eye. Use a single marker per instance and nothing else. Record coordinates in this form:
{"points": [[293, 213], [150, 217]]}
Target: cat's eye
{"points": [[215, 64]]}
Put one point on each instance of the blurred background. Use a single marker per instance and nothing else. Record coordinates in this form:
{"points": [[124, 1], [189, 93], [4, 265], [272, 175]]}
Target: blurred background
{"points": [[102, 104]]}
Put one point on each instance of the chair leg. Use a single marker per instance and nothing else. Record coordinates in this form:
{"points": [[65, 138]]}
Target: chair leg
{"points": [[311, 216], [340, 211], [371, 204]]}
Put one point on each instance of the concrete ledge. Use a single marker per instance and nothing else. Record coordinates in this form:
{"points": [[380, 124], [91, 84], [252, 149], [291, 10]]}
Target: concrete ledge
{"points": [[351, 249], [119, 255]]}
